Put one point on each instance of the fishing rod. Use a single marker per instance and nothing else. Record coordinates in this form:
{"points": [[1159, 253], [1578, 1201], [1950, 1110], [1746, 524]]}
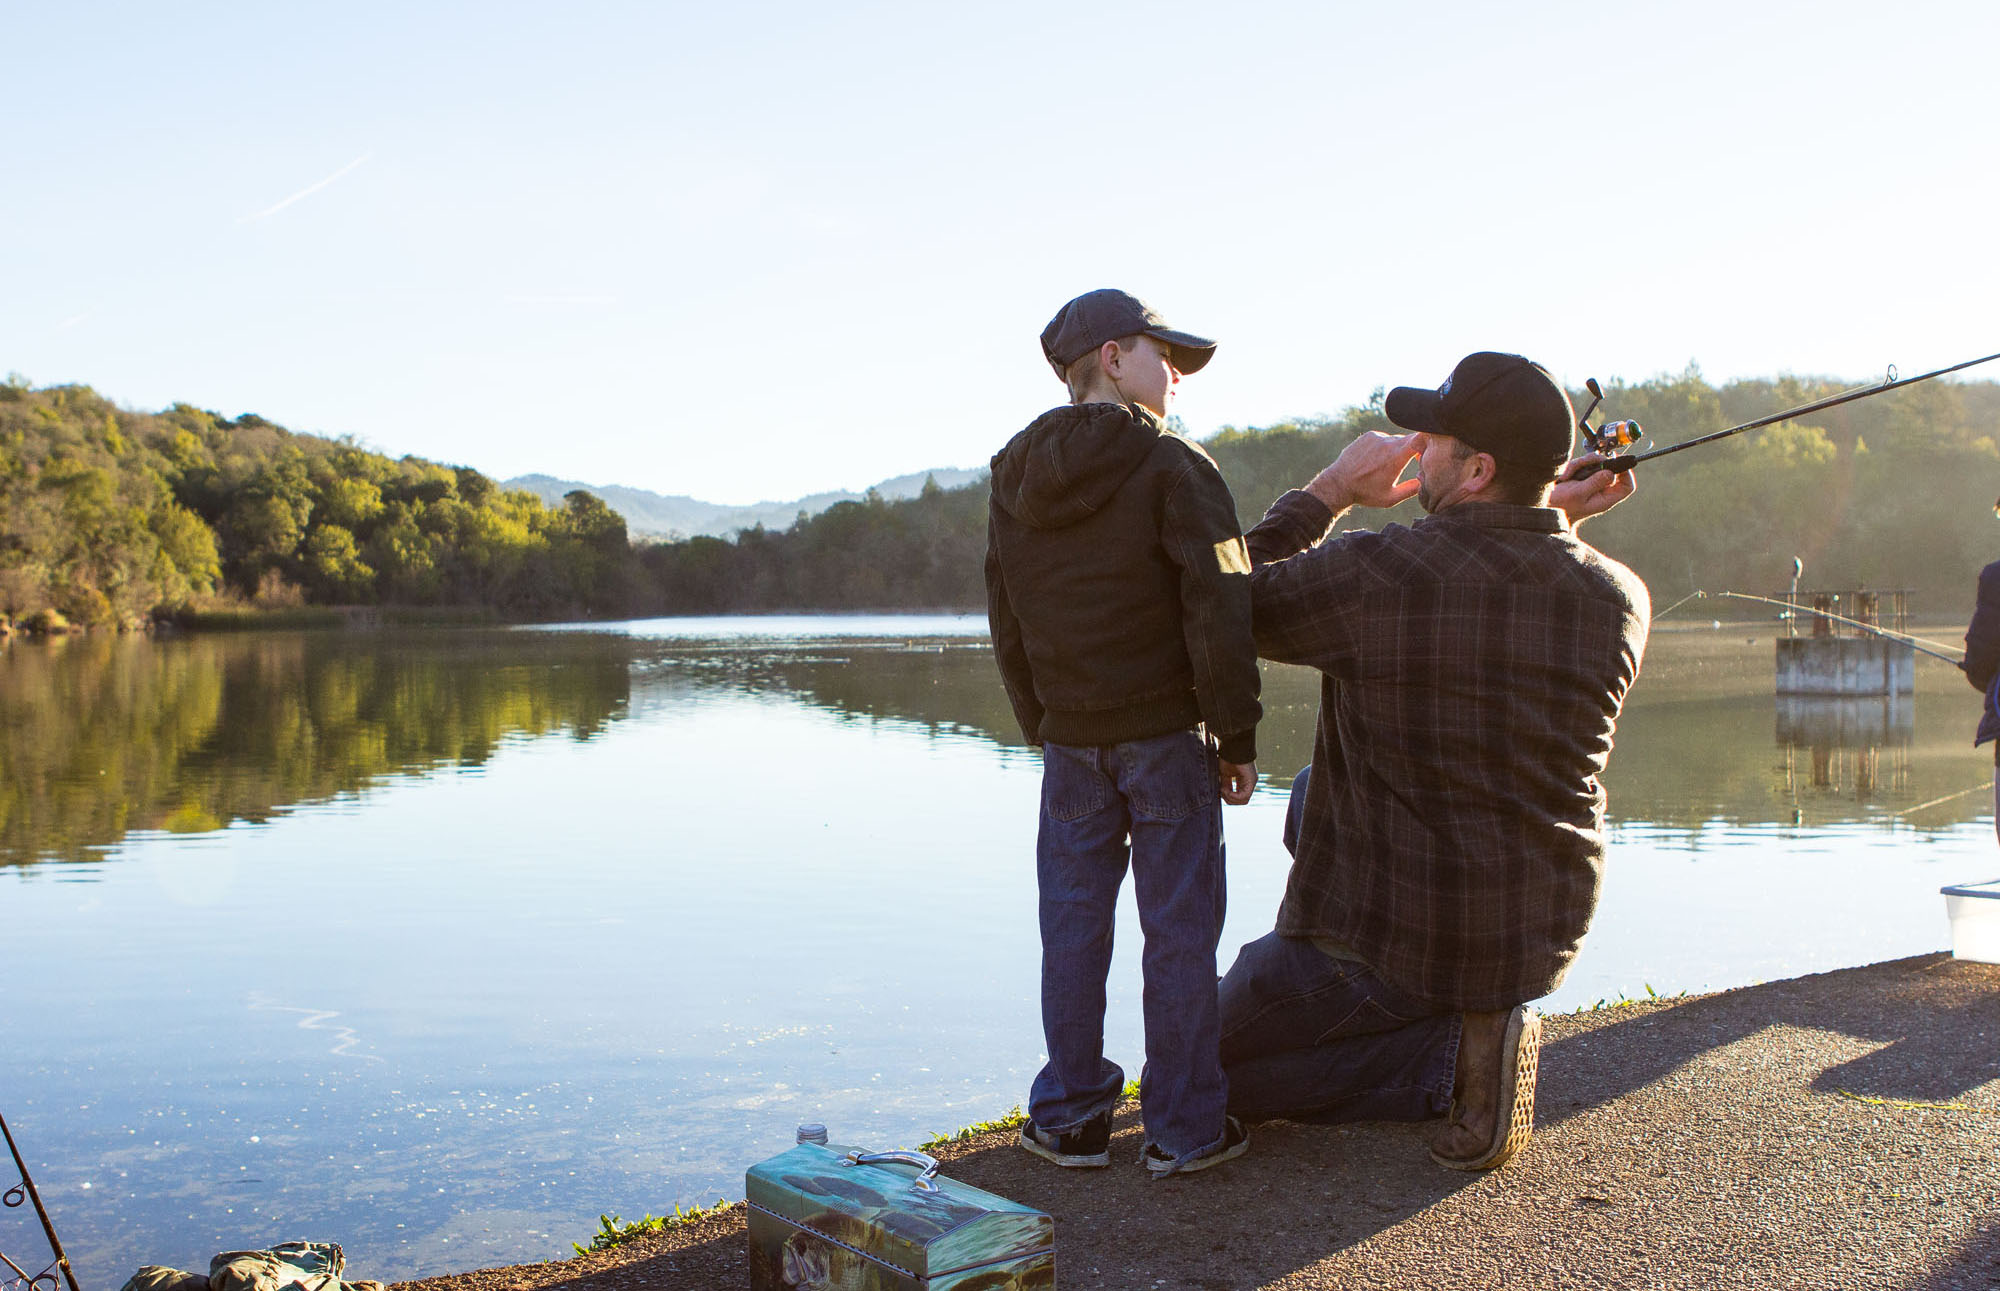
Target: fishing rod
{"points": [[14, 1196], [1623, 434]]}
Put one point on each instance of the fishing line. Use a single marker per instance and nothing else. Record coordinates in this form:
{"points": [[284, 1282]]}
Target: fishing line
{"points": [[1978, 788], [1932, 648], [1676, 605]]}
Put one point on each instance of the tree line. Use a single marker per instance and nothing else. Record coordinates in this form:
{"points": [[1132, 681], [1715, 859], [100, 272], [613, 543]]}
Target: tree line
{"points": [[108, 515]]}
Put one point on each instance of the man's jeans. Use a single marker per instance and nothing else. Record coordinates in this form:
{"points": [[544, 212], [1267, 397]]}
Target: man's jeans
{"points": [[1162, 794], [1309, 1037]]}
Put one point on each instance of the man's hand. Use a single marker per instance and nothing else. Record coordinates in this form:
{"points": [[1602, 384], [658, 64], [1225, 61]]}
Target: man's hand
{"points": [[1367, 473], [1581, 499], [1239, 781]]}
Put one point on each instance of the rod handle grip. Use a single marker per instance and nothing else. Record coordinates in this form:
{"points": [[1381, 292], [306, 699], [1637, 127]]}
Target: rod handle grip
{"points": [[1622, 462]]}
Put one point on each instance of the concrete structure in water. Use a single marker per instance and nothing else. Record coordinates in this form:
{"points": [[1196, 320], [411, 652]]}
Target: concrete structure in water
{"points": [[1841, 658]]}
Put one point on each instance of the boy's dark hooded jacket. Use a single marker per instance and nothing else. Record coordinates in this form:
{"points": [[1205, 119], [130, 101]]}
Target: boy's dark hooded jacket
{"points": [[1117, 584]]}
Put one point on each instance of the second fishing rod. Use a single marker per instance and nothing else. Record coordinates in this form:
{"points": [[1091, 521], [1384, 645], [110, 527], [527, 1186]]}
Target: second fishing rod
{"points": [[1612, 436]]}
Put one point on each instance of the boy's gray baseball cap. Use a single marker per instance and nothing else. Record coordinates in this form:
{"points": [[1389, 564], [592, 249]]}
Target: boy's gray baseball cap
{"points": [[1501, 404], [1108, 314]]}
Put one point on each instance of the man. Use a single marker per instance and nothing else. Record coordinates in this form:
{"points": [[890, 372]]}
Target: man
{"points": [[1449, 841], [1118, 589], [1981, 664]]}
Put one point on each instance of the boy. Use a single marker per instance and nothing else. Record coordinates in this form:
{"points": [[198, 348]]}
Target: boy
{"points": [[1118, 591]]}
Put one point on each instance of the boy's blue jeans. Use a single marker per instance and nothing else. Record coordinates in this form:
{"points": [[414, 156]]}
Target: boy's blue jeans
{"points": [[1309, 1037], [1162, 795]]}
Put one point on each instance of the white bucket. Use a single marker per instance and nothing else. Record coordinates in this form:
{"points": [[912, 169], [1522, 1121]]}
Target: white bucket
{"points": [[1974, 909]]}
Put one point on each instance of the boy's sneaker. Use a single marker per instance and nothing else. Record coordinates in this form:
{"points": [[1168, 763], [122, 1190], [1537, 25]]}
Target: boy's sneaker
{"points": [[1235, 1142], [1085, 1147]]}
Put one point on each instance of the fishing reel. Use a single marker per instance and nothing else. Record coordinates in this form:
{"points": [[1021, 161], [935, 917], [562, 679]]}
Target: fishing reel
{"points": [[1611, 437]]}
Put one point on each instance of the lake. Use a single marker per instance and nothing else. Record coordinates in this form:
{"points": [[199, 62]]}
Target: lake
{"points": [[439, 945]]}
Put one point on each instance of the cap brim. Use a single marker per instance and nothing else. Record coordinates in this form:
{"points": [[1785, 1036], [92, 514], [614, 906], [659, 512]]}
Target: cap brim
{"points": [[1414, 408], [1191, 352]]}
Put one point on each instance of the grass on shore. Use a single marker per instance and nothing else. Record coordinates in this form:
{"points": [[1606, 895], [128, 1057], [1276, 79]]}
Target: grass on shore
{"points": [[614, 1231], [1625, 1002]]}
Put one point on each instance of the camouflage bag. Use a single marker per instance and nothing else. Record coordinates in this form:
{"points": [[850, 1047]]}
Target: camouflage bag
{"points": [[837, 1219]]}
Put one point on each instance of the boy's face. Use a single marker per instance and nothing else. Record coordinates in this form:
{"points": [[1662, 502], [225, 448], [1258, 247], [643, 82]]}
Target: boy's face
{"points": [[1145, 374]]}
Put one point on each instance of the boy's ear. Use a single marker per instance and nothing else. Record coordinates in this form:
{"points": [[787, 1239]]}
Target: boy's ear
{"points": [[1109, 358]]}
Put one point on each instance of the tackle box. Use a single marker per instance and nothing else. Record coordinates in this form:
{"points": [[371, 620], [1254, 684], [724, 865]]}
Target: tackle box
{"points": [[833, 1216]]}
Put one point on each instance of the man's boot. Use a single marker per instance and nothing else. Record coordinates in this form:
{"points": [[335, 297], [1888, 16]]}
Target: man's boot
{"points": [[1493, 1098]]}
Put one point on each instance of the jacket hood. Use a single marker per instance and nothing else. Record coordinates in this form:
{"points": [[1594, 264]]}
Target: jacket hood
{"points": [[1070, 460]]}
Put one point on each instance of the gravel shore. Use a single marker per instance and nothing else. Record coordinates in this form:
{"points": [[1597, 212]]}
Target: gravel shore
{"points": [[1834, 1131]]}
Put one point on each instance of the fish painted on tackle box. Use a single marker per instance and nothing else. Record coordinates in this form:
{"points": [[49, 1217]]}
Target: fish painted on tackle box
{"points": [[834, 1218]]}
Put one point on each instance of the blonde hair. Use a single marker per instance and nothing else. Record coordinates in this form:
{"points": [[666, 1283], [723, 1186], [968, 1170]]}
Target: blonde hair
{"points": [[1082, 375]]}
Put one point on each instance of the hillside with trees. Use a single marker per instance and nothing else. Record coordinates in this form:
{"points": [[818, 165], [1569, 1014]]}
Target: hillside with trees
{"points": [[1893, 491], [108, 515]]}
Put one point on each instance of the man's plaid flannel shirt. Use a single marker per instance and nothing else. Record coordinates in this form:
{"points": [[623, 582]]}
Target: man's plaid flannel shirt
{"points": [[1473, 666]]}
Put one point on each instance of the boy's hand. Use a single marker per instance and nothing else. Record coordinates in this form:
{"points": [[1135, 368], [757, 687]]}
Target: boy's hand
{"points": [[1366, 473], [1239, 781]]}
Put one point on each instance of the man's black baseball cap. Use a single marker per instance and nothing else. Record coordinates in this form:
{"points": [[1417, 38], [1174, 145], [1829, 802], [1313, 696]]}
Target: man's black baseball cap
{"points": [[1501, 404], [1109, 315]]}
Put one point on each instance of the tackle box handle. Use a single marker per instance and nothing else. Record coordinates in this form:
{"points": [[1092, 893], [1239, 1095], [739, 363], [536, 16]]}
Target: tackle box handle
{"points": [[927, 1165]]}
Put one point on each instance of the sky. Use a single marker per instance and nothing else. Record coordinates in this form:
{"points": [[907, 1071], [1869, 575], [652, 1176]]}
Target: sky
{"points": [[757, 250]]}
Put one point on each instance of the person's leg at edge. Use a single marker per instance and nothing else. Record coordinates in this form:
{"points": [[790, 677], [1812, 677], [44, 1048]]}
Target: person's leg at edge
{"points": [[1179, 879], [1080, 859], [1312, 1038]]}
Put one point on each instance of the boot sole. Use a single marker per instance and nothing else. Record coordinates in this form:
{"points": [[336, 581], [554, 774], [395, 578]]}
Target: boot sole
{"points": [[1520, 1063]]}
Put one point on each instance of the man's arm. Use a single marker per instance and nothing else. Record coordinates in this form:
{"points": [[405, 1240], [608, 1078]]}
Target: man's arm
{"points": [[1295, 610], [1008, 649], [1367, 473], [1199, 532]]}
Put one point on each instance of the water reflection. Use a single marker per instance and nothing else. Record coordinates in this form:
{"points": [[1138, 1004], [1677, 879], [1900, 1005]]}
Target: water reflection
{"points": [[1838, 744], [1695, 746], [104, 736], [1826, 722]]}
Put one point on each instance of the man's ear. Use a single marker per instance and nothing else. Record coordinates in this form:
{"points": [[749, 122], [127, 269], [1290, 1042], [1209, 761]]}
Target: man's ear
{"points": [[1481, 471]]}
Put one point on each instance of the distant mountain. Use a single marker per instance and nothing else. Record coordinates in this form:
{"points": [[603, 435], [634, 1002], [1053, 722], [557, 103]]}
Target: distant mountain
{"points": [[664, 515]]}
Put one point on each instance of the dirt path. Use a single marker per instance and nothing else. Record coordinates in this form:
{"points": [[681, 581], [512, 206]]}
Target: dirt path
{"points": [[1841, 1130]]}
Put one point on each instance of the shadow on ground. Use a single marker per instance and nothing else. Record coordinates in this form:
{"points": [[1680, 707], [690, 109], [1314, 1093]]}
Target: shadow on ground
{"points": [[1928, 1053], [1975, 1266], [1307, 1193], [1802, 1133]]}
